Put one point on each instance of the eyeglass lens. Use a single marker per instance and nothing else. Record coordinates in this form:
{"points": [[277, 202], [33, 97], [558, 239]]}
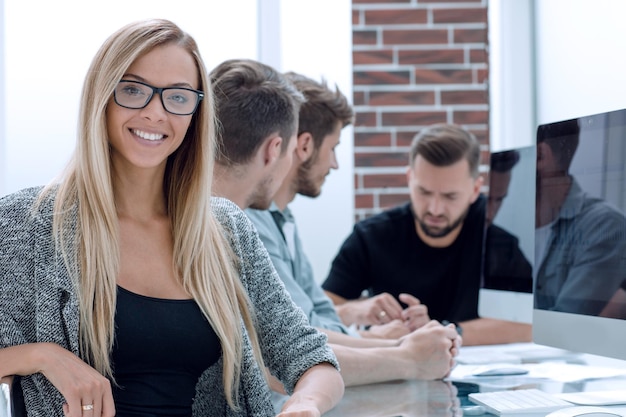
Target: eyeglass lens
{"points": [[137, 95]]}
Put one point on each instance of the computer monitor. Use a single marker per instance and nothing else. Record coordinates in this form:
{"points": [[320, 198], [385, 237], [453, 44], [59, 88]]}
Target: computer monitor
{"points": [[508, 255], [580, 239]]}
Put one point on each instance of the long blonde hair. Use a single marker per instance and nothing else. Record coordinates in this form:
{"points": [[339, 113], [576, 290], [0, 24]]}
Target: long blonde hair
{"points": [[202, 257]]}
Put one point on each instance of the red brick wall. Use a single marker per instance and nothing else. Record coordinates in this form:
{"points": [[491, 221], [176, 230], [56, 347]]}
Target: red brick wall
{"points": [[415, 63]]}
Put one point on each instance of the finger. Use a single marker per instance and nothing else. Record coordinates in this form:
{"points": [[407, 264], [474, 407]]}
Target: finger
{"points": [[409, 300], [393, 308], [416, 323], [416, 316], [451, 328], [88, 408], [382, 317], [108, 406], [74, 407]]}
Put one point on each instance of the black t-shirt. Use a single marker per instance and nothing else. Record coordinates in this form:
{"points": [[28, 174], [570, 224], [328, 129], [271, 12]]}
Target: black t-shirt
{"points": [[161, 348], [385, 254]]}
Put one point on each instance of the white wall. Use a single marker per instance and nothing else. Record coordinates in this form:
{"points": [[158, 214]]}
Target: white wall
{"points": [[580, 57], [47, 54], [317, 41]]}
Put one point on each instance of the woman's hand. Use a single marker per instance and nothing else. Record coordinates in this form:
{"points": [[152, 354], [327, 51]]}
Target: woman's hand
{"points": [[87, 393], [300, 410]]}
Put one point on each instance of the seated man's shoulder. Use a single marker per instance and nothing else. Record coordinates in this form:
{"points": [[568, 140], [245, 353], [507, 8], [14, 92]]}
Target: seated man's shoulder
{"points": [[258, 216], [383, 220], [602, 213]]}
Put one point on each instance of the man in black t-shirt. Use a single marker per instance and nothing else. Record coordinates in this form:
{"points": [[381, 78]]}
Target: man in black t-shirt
{"points": [[430, 248]]}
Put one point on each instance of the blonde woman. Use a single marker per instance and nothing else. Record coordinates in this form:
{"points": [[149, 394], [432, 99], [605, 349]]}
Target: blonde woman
{"points": [[125, 289]]}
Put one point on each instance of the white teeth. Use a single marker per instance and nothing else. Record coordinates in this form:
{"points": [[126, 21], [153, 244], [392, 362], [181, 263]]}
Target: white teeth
{"points": [[148, 136]]}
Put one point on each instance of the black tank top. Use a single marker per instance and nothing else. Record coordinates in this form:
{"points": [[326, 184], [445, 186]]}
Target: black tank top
{"points": [[161, 348]]}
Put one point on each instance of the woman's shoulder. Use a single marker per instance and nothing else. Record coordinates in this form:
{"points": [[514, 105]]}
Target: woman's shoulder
{"points": [[19, 202], [230, 215]]}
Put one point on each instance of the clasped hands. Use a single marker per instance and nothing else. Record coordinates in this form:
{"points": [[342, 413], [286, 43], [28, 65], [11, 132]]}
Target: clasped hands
{"points": [[384, 308]]}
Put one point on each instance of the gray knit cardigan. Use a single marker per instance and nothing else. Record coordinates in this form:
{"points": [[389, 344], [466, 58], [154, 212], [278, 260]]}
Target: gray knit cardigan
{"points": [[38, 304]]}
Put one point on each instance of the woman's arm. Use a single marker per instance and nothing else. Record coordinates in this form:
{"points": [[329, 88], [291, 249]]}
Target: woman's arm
{"points": [[318, 390], [78, 382]]}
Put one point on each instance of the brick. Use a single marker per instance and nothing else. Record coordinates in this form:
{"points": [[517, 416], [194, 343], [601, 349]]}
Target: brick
{"points": [[482, 135], [380, 77], [387, 159], [363, 200], [485, 159], [401, 98], [384, 181], [391, 200], [364, 119], [414, 118], [372, 139], [396, 16], [364, 37], [443, 76], [373, 56], [481, 75], [465, 97], [405, 138], [478, 56], [431, 56], [470, 36], [356, 17], [471, 117], [415, 37], [358, 98], [478, 15]]}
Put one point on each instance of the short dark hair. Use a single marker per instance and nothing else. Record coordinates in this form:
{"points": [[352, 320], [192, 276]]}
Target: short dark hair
{"points": [[445, 144], [323, 108], [504, 161], [563, 146], [252, 101]]}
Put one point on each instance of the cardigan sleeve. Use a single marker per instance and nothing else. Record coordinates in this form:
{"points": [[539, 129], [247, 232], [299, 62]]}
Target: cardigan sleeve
{"points": [[17, 285], [289, 344]]}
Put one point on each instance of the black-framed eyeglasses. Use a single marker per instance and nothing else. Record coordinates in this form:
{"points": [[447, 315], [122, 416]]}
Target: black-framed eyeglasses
{"points": [[176, 100]]}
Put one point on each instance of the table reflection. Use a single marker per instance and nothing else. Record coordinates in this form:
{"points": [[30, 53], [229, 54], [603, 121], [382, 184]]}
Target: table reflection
{"points": [[400, 399]]}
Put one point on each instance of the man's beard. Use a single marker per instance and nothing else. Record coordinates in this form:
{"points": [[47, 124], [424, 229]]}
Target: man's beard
{"points": [[305, 184], [437, 232]]}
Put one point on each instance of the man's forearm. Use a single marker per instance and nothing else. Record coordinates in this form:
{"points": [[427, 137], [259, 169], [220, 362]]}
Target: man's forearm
{"points": [[368, 366], [485, 331], [357, 342]]}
